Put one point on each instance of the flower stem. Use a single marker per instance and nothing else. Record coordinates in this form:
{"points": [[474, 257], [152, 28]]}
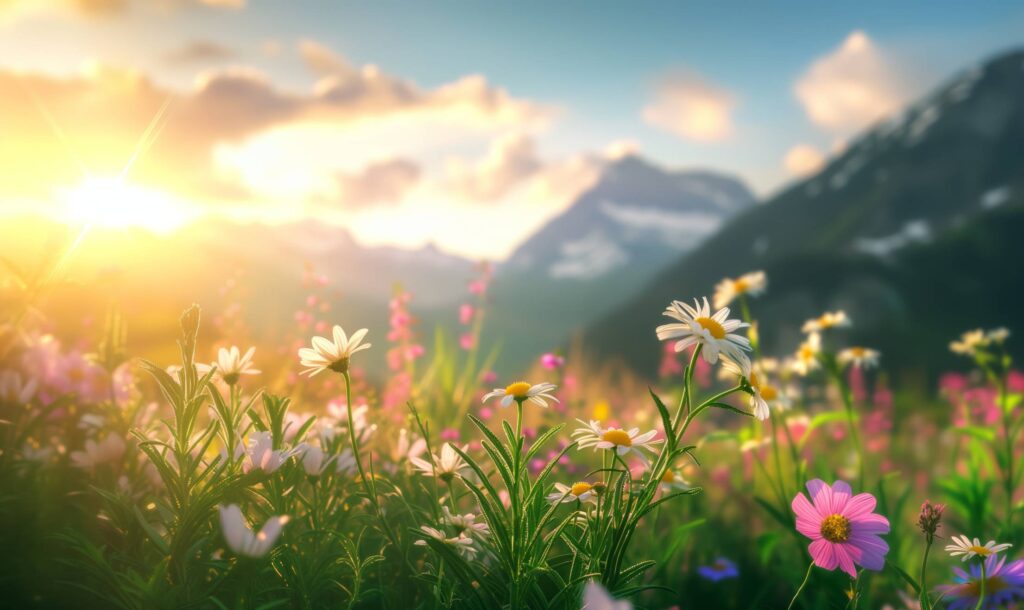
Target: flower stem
{"points": [[800, 590], [981, 591], [926, 603]]}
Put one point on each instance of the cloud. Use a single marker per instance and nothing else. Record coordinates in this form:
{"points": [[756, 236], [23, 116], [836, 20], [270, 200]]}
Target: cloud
{"points": [[321, 61], [200, 51], [96, 8], [803, 160], [380, 182], [510, 160], [690, 107], [851, 87]]}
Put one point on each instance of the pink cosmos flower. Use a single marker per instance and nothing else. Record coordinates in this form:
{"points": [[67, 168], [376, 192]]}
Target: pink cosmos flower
{"points": [[842, 527]]}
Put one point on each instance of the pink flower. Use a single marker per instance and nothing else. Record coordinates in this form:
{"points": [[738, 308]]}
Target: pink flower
{"points": [[466, 312], [552, 361], [467, 341], [842, 527]]}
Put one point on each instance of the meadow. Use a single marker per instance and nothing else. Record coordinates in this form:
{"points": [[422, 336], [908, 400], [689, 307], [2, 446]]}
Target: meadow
{"points": [[285, 475]]}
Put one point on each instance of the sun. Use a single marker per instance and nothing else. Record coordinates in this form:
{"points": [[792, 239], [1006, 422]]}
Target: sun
{"points": [[115, 204]]}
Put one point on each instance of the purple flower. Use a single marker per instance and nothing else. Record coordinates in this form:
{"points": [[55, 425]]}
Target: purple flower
{"points": [[1004, 583], [842, 527], [720, 570]]}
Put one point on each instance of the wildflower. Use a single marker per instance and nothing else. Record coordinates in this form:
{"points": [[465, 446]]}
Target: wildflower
{"points": [[465, 524], [334, 355], [523, 391], [720, 570], [462, 543], [806, 358], [930, 518], [699, 326], [240, 537], [860, 357], [827, 320], [1004, 583], [762, 393], [404, 449], [110, 449], [974, 548], [969, 342], [596, 597], [231, 364], [843, 528], [621, 441], [752, 283], [998, 335], [552, 361], [14, 391], [263, 456], [446, 467], [580, 491], [673, 481]]}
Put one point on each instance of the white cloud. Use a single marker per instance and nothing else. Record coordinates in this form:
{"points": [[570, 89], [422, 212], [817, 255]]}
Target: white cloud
{"points": [[690, 107], [851, 87], [511, 159], [803, 160]]}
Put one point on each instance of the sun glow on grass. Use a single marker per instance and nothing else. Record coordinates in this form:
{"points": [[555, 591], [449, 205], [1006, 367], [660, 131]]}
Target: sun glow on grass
{"points": [[114, 204]]}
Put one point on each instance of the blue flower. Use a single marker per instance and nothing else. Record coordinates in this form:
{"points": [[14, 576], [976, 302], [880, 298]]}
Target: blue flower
{"points": [[720, 570], [1004, 583]]}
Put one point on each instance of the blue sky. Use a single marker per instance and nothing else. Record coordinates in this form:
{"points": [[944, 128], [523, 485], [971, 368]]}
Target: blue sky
{"points": [[738, 87]]}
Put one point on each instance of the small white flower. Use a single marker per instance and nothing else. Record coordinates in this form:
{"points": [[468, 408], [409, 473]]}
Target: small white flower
{"points": [[581, 491], [405, 449], [974, 548], [521, 390], [827, 320], [673, 481], [240, 537], [596, 597], [806, 358], [448, 464], [465, 524], [616, 439], [969, 342], [263, 456], [998, 335], [860, 357], [110, 449], [231, 364], [764, 394], [334, 355], [753, 283], [697, 325], [14, 391], [462, 543]]}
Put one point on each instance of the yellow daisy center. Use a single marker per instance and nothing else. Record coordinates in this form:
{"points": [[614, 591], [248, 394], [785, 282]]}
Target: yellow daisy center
{"points": [[768, 392], [835, 528], [980, 551], [992, 585], [668, 477], [578, 489], [712, 326], [517, 389], [740, 285], [617, 437], [857, 352]]}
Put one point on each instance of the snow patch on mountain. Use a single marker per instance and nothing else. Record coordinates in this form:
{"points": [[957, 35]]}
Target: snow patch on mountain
{"points": [[915, 231], [590, 257]]}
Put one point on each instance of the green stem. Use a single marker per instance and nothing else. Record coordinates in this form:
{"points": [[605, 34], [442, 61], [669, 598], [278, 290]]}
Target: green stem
{"points": [[926, 603], [844, 391], [981, 591], [684, 404], [800, 590]]}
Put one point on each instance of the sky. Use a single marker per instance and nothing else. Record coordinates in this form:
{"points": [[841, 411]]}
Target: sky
{"points": [[463, 124]]}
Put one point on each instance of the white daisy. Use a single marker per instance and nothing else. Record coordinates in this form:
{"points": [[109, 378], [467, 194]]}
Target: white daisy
{"points": [[673, 481], [462, 542], [806, 358], [827, 320], [699, 326], [969, 342], [764, 393], [581, 491], [974, 548], [263, 456], [522, 391], [240, 537], [445, 467], [334, 355], [465, 524], [753, 283], [860, 357], [110, 449], [231, 364], [998, 335], [621, 441]]}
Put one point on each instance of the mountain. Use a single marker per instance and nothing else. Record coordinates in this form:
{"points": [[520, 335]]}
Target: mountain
{"points": [[914, 230], [635, 220]]}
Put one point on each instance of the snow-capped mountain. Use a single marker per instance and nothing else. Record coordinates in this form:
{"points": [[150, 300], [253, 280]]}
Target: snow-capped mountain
{"points": [[913, 229]]}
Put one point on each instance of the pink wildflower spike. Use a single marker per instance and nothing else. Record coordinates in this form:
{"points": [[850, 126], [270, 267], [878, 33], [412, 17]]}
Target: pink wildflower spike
{"points": [[843, 528]]}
